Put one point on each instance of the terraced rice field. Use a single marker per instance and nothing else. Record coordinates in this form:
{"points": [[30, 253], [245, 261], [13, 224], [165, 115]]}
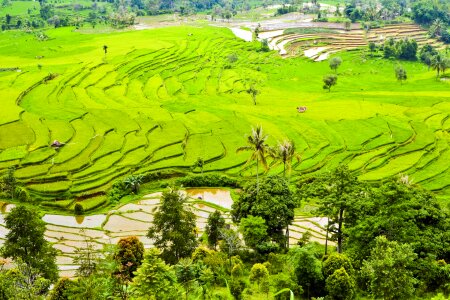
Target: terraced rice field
{"points": [[159, 99], [68, 234], [321, 44]]}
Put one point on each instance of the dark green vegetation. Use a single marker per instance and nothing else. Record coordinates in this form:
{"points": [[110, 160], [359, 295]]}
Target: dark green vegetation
{"points": [[393, 243], [173, 228], [28, 15]]}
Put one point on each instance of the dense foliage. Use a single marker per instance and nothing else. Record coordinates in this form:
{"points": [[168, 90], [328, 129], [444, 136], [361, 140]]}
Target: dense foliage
{"points": [[173, 229], [273, 202], [25, 242], [394, 238]]}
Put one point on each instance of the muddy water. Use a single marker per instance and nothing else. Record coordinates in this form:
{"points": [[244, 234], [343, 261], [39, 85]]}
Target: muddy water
{"points": [[94, 221], [67, 233], [218, 197]]}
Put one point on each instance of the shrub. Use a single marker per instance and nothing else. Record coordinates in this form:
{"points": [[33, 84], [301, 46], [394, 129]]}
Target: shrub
{"points": [[258, 273], [336, 261], [286, 9], [22, 194], [265, 46], [237, 286], [78, 209], [213, 180], [232, 58], [200, 253], [282, 281], [60, 289], [118, 190], [163, 174], [237, 270]]}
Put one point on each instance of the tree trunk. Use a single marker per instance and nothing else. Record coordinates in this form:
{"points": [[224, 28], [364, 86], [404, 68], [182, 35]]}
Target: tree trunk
{"points": [[257, 176], [287, 237], [341, 212], [326, 237]]}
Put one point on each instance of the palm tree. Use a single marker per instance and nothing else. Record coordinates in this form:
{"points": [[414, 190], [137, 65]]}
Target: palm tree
{"points": [[257, 144], [285, 153], [252, 91], [199, 163], [436, 28], [438, 63]]}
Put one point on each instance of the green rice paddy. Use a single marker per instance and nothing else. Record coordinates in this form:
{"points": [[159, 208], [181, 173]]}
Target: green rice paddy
{"points": [[161, 98]]}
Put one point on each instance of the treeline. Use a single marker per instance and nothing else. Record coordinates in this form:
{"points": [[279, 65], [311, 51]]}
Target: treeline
{"points": [[431, 14], [115, 12], [389, 240], [407, 49]]}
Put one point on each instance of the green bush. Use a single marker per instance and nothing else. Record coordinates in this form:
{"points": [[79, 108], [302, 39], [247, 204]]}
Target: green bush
{"points": [[159, 175], [22, 194], [237, 286], [117, 191], [212, 180], [78, 209], [60, 289]]}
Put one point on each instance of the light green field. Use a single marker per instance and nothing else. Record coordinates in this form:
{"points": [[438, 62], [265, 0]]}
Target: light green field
{"points": [[17, 8], [162, 98]]}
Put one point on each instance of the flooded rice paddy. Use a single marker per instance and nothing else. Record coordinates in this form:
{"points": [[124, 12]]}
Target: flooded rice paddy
{"points": [[69, 233]]}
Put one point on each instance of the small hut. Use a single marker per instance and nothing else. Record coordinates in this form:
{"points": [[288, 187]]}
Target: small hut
{"points": [[56, 144]]}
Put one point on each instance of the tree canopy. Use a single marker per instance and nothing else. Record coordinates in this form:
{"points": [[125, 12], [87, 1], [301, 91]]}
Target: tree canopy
{"points": [[25, 240], [274, 203], [173, 228]]}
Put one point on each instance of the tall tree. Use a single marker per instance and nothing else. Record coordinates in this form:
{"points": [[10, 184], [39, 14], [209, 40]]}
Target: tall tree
{"points": [[404, 213], [336, 192], [284, 153], [215, 223], [329, 81], [438, 63], [252, 91], [25, 240], [87, 259], [22, 282], [334, 63], [186, 274], [173, 229], [230, 243], [274, 203], [372, 48], [257, 144], [9, 183]]}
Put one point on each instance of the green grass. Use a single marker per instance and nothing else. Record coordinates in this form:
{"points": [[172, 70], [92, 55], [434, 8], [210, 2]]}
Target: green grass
{"points": [[162, 98], [18, 8]]}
